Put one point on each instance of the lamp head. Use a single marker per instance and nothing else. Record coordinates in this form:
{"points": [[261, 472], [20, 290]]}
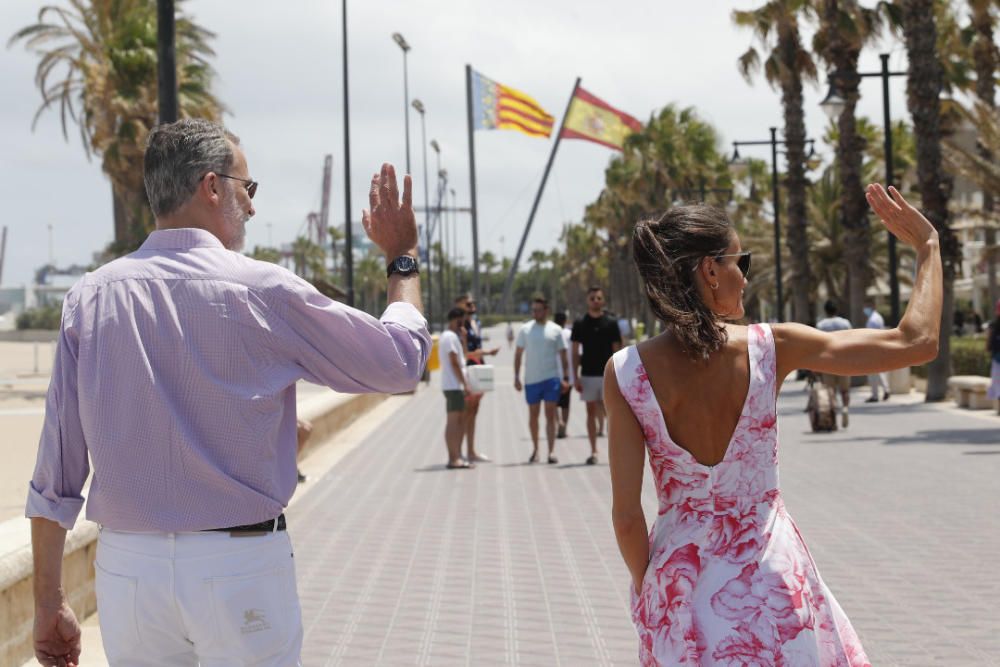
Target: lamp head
{"points": [[833, 104], [396, 37], [434, 145], [418, 105], [737, 166]]}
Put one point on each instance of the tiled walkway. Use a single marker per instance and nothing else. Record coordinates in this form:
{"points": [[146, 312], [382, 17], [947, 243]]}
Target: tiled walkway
{"points": [[403, 562]]}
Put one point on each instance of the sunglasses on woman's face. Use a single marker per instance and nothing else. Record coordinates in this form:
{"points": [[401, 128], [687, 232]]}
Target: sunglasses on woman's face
{"points": [[743, 262]]}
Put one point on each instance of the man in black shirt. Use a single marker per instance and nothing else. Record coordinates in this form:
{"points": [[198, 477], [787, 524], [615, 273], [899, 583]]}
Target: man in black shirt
{"points": [[595, 338]]}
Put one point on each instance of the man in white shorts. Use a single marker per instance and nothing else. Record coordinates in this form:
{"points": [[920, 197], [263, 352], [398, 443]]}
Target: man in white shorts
{"points": [[595, 337]]}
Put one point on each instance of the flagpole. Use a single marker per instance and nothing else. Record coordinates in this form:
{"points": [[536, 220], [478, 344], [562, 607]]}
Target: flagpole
{"points": [[472, 183], [508, 286]]}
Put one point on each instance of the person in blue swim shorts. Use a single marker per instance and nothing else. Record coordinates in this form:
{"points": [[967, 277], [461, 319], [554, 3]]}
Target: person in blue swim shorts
{"points": [[541, 346]]}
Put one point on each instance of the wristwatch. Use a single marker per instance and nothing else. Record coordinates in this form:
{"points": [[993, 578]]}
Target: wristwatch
{"points": [[404, 265]]}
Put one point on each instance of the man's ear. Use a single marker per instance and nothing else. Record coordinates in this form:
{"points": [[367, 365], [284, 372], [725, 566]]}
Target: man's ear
{"points": [[210, 187]]}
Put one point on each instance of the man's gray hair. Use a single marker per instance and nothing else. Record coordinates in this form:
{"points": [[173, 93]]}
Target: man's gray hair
{"points": [[178, 155]]}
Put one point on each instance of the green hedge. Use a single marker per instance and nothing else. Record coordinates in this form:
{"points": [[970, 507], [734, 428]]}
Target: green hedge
{"points": [[968, 357], [46, 317]]}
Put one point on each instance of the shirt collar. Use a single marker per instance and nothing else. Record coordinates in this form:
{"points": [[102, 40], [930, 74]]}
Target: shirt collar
{"points": [[181, 239]]}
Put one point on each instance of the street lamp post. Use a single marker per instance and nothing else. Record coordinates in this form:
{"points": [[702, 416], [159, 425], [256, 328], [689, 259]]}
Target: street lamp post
{"points": [[439, 220], [166, 67], [454, 241], [773, 142], [419, 106], [833, 105], [398, 38], [348, 232]]}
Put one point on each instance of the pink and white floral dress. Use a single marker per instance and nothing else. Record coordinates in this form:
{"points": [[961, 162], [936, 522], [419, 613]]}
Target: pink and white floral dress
{"points": [[730, 581]]}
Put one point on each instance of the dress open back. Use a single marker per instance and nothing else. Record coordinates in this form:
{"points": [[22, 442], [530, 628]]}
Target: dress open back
{"points": [[730, 581]]}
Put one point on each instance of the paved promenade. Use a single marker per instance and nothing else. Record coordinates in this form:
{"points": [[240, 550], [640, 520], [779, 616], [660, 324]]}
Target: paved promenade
{"points": [[403, 562]]}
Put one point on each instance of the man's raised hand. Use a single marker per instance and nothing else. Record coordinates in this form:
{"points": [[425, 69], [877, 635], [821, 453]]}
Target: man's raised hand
{"points": [[390, 224]]}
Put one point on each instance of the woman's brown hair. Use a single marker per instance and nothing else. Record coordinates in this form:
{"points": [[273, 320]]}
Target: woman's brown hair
{"points": [[667, 250]]}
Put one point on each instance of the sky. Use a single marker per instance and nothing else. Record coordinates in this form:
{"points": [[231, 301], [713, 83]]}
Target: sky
{"points": [[279, 72]]}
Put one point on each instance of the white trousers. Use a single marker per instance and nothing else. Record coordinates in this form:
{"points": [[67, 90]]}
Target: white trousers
{"points": [[876, 380], [187, 599]]}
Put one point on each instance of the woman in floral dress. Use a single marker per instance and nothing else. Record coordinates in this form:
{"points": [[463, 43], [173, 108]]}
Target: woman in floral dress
{"points": [[724, 578]]}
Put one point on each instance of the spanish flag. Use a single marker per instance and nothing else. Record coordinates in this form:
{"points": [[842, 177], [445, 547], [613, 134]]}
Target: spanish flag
{"points": [[593, 119], [495, 106]]}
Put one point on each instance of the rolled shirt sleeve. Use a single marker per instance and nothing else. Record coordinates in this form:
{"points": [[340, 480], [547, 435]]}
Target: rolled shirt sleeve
{"points": [[349, 350], [61, 469]]}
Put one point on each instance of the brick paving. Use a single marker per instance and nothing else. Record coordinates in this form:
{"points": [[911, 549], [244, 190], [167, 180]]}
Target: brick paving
{"points": [[402, 562]]}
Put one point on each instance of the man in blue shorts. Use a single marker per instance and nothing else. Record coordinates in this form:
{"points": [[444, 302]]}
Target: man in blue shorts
{"points": [[541, 345]]}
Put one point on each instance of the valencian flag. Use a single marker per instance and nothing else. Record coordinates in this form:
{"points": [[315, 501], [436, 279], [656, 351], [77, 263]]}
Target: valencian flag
{"points": [[495, 106], [593, 119]]}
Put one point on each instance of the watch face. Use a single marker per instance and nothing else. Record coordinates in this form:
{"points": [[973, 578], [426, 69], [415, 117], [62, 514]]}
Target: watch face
{"points": [[404, 265]]}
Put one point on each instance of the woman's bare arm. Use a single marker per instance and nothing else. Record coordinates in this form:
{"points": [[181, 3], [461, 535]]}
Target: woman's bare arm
{"points": [[864, 351], [627, 456]]}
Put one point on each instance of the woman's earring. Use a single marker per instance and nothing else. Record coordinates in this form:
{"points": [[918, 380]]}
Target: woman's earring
{"points": [[715, 286]]}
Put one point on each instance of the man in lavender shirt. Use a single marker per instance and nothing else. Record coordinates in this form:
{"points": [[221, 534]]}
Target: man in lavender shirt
{"points": [[175, 374]]}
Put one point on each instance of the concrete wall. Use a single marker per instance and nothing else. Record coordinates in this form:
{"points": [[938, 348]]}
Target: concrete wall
{"points": [[29, 336]]}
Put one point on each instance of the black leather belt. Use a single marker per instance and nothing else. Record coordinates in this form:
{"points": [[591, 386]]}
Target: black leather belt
{"points": [[262, 527]]}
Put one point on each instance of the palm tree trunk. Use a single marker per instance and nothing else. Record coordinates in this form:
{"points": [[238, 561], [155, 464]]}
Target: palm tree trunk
{"points": [[853, 207], [985, 60], [923, 88], [121, 219], [795, 137]]}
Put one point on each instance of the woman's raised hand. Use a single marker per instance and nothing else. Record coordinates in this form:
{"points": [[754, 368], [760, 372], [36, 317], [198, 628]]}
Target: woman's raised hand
{"points": [[905, 222]]}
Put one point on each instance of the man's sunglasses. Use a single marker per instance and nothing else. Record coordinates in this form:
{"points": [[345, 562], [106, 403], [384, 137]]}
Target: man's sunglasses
{"points": [[251, 186], [743, 262]]}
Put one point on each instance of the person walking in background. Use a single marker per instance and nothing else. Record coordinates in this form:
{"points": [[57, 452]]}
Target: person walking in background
{"points": [[454, 384], [541, 345], [993, 347], [560, 318], [596, 336], [841, 384], [475, 355], [510, 335], [876, 380], [175, 376], [724, 577]]}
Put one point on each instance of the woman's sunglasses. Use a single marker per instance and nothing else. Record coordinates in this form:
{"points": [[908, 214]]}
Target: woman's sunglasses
{"points": [[251, 186], [743, 262]]}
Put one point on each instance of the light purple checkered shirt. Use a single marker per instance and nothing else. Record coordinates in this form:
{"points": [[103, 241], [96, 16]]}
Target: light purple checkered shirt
{"points": [[176, 372]]}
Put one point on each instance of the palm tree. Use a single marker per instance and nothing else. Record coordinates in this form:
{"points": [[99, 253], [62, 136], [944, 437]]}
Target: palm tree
{"points": [[309, 259], [986, 59], [489, 262], [844, 29], [775, 24], [336, 236], [98, 66], [924, 83], [538, 259], [369, 275], [676, 152], [266, 254]]}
